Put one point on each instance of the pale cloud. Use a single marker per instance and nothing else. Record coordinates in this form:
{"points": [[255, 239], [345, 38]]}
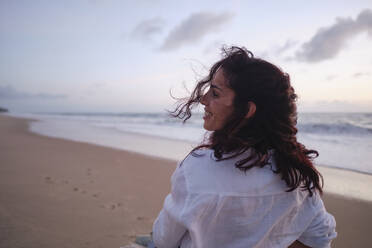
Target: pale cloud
{"points": [[331, 77], [195, 28], [9, 92], [147, 29], [285, 47], [360, 74], [328, 42], [278, 50]]}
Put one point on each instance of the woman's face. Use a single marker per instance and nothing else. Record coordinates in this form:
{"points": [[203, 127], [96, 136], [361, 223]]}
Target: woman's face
{"points": [[218, 102]]}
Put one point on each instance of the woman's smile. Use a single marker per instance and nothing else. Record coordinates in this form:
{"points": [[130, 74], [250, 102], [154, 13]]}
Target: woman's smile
{"points": [[207, 114], [218, 102]]}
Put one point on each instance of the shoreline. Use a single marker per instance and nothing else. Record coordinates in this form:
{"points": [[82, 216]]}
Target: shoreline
{"points": [[340, 181], [60, 193], [113, 131], [152, 137]]}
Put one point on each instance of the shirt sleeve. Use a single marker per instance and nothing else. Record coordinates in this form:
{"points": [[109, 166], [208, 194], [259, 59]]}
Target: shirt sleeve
{"points": [[321, 230], [168, 228]]}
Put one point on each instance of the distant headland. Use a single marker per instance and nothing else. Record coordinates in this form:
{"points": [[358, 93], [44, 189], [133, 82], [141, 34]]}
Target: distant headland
{"points": [[3, 110]]}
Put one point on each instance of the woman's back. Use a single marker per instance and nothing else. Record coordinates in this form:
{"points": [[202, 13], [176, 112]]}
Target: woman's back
{"points": [[234, 194], [214, 204]]}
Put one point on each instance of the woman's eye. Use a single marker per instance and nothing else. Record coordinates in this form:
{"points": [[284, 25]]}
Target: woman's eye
{"points": [[214, 94]]}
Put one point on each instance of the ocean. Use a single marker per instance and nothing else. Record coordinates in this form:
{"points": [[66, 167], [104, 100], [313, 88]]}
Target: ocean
{"points": [[343, 140]]}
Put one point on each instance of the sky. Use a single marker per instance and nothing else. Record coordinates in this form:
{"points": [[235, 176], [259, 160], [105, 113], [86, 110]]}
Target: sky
{"points": [[129, 56]]}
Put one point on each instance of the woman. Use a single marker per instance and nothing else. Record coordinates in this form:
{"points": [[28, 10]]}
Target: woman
{"points": [[251, 184]]}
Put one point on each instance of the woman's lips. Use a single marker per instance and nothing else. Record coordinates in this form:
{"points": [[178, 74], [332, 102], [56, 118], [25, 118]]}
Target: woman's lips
{"points": [[207, 114]]}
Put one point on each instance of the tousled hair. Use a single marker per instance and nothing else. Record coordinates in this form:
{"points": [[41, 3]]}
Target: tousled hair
{"points": [[271, 128]]}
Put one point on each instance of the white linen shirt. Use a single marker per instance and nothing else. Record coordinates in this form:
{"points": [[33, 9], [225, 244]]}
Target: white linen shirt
{"points": [[214, 204]]}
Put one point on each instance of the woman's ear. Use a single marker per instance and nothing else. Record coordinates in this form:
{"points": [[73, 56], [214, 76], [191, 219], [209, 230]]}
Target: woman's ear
{"points": [[251, 110]]}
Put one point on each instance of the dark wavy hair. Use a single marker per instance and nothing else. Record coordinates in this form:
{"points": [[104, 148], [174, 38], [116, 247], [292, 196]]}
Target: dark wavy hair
{"points": [[271, 128]]}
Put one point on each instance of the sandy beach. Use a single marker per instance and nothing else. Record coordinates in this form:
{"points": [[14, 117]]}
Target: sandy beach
{"points": [[59, 193]]}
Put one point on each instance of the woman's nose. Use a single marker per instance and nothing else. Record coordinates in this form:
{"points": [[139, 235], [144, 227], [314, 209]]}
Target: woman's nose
{"points": [[203, 99]]}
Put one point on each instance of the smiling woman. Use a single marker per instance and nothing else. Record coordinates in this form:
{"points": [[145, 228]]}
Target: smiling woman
{"points": [[218, 102], [251, 184]]}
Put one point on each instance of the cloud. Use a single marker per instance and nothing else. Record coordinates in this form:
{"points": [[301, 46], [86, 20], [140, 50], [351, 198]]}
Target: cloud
{"points": [[278, 50], [285, 47], [331, 77], [329, 41], [360, 74], [146, 29], [8, 92], [194, 29]]}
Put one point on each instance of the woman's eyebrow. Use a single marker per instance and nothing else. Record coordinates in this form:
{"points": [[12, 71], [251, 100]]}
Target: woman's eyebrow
{"points": [[215, 87]]}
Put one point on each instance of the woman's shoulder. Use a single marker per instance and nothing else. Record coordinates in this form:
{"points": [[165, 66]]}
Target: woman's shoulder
{"points": [[205, 173]]}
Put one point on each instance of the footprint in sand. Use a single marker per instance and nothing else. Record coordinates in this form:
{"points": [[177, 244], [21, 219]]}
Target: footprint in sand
{"points": [[76, 189], [96, 195], [48, 180], [111, 206], [141, 218]]}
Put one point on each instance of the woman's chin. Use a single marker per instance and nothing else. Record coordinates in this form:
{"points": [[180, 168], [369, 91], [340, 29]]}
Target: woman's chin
{"points": [[207, 127]]}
